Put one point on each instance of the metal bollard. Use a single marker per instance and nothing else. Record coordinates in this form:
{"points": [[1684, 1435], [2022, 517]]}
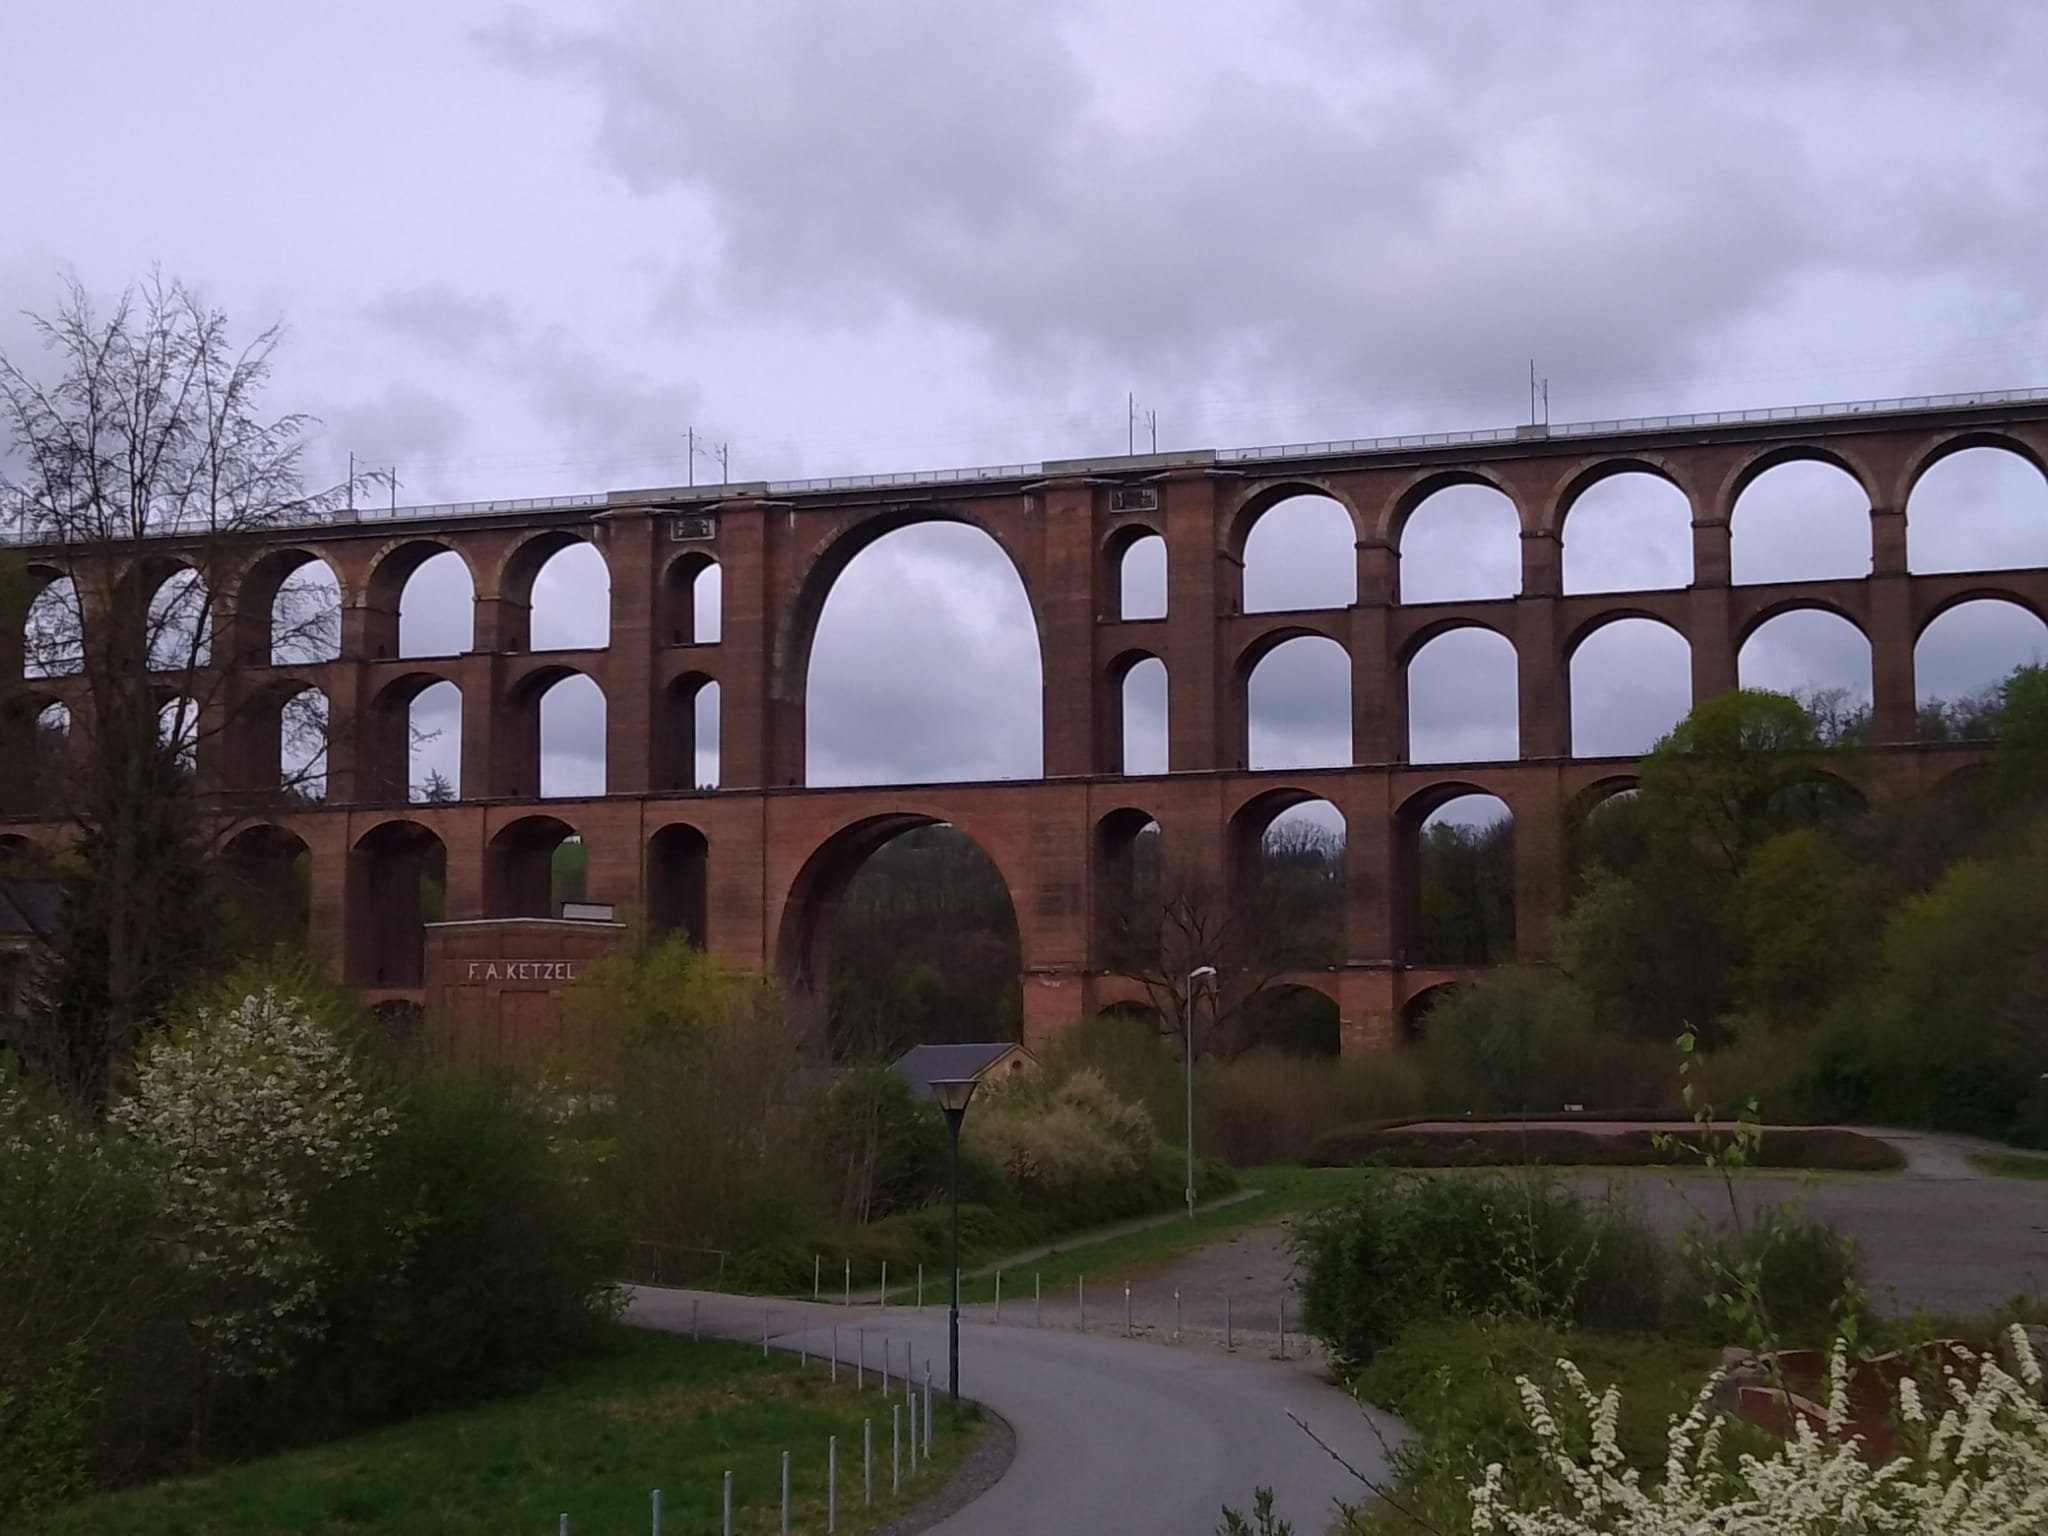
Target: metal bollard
{"points": [[885, 1282], [920, 1287], [1037, 1302], [867, 1462], [1229, 1344], [849, 1282], [913, 1434], [895, 1447], [654, 1524], [831, 1482], [725, 1529], [817, 1275], [835, 1354], [860, 1364], [999, 1295], [803, 1345], [927, 1410], [1127, 1309], [785, 1493], [563, 1528]]}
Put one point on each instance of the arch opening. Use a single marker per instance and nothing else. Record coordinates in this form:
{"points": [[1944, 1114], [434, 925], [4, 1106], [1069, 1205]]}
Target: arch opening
{"points": [[1293, 1020], [569, 597], [1819, 658], [436, 602], [901, 929], [687, 749], [1128, 912], [397, 884], [302, 737], [1981, 508], [433, 753], [1463, 694], [1630, 681], [1142, 701], [1628, 532], [53, 631], [678, 883], [1298, 705], [924, 643], [178, 623], [177, 731], [532, 866], [1301, 552], [1416, 1010], [692, 600], [1458, 543], [1461, 902], [1140, 560], [1962, 657], [269, 876], [1290, 880], [571, 711], [1804, 520], [305, 615]]}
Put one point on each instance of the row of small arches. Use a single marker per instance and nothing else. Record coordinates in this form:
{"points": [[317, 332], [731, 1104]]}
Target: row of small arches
{"points": [[570, 610], [1804, 520]]}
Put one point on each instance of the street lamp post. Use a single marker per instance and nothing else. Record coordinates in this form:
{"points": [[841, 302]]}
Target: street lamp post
{"points": [[953, 1094], [1199, 974]]}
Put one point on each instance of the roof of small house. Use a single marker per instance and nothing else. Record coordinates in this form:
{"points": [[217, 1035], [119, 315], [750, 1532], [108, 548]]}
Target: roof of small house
{"points": [[928, 1064]]}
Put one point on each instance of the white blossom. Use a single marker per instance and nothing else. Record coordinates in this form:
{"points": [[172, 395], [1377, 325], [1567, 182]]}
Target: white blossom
{"points": [[1983, 1470], [254, 1112]]}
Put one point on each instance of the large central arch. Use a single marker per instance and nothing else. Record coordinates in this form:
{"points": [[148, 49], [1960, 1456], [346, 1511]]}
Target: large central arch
{"points": [[790, 660]]}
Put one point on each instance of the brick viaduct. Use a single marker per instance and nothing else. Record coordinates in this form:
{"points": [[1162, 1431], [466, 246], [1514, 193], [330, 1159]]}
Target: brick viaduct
{"points": [[753, 868]]}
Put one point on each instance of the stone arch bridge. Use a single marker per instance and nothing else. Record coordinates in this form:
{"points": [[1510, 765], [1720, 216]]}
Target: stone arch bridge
{"points": [[754, 867]]}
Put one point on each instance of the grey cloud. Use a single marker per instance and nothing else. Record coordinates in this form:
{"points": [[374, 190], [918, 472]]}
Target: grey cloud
{"points": [[1973, 646], [1462, 699], [1631, 682], [1299, 704], [445, 320]]}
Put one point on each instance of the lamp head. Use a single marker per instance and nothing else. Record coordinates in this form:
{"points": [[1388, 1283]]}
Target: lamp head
{"points": [[954, 1092]]}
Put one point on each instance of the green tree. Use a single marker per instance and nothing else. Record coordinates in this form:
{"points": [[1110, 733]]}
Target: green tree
{"points": [[1793, 919], [1734, 773]]}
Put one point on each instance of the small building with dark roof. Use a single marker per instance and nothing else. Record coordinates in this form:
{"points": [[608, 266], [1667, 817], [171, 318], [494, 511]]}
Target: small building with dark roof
{"points": [[982, 1061]]}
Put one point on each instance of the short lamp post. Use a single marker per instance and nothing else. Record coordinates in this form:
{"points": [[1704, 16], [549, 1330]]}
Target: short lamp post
{"points": [[953, 1094], [1199, 974]]}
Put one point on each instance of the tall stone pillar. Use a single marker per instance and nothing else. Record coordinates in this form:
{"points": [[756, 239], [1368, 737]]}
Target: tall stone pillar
{"points": [[1709, 625], [1542, 695], [1062, 575]]}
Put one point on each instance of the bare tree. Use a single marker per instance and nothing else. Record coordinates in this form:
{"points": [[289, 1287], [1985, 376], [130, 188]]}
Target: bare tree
{"points": [[1169, 923], [142, 468]]}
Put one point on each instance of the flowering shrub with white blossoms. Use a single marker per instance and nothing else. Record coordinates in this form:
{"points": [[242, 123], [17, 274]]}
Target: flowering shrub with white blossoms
{"points": [[253, 1111], [1980, 1468]]}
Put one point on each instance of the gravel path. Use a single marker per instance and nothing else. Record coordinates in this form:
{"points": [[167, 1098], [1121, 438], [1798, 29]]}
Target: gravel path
{"points": [[1939, 1237]]}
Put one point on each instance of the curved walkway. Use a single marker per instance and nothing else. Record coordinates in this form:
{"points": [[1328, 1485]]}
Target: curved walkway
{"points": [[1112, 1434]]}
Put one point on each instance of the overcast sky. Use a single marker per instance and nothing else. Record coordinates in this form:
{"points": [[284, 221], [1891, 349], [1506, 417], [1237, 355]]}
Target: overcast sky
{"points": [[524, 250]]}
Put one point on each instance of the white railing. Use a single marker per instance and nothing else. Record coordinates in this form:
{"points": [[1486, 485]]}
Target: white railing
{"points": [[16, 525]]}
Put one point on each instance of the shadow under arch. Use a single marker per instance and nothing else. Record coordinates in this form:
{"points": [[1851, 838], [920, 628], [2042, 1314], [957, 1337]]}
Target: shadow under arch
{"points": [[269, 876], [1127, 848], [803, 929], [519, 866], [396, 883], [1415, 1012]]}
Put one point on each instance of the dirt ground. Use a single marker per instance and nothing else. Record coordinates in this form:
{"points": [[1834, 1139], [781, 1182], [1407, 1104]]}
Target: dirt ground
{"points": [[1938, 1237]]}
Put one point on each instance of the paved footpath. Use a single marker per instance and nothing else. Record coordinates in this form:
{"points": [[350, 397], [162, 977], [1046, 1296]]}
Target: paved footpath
{"points": [[1114, 1437]]}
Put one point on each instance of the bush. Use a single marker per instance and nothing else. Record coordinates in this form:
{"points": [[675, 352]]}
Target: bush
{"points": [[1270, 1108], [1550, 1146], [1806, 1273], [1471, 1246], [1529, 1040], [474, 1253]]}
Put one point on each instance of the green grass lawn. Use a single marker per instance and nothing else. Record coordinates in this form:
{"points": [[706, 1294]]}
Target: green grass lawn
{"points": [[2012, 1165], [654, 1412]]}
